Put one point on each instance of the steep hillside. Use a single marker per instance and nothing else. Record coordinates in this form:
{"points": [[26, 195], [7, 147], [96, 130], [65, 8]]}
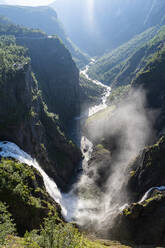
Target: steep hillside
{"points": [[46, 19], [25, 119], [54, 69], [151, 78], [142, 221], [108, 22], [25, 195], [109, 67], [125, 63]]}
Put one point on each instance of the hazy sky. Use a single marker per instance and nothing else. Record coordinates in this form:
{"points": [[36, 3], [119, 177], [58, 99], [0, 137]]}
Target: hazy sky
{"points": [[27, 2]]}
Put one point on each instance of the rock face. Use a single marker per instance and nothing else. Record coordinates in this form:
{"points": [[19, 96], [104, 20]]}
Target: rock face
{"points": [[152, 80], [143, 222], [57, 75], [148, 169], [25, 120]]}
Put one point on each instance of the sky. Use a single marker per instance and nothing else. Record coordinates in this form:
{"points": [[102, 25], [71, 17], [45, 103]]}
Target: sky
{"points": [[27, 2]]}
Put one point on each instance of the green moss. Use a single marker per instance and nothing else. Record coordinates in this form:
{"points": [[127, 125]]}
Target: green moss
{"points": [[157, 196], [127, 212], [132, 173]]}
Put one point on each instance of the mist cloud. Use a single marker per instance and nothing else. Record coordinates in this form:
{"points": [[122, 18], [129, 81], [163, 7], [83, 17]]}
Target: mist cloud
{"points": [[125, 131]]}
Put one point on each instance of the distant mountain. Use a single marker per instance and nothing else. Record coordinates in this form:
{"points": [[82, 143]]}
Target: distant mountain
{"points": [[43, 18], [100, 26], [120, 66]]}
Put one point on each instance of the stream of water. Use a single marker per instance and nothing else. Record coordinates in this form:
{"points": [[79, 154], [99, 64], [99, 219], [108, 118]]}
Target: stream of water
{"points": [[107, 90]]}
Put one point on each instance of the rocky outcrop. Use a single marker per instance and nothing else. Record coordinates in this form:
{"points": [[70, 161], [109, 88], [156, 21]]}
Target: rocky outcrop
{"points": [[142, 223]]}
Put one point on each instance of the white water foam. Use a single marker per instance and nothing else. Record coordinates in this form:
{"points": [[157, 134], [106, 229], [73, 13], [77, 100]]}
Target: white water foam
{"points": [[146, 195], [107, 91], [74, 207], [8, 149], [70, 204]]}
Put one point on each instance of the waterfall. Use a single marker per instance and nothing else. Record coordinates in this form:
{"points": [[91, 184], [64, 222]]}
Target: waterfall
{"points": [[73, 206], [86, 204], [8, 149]]}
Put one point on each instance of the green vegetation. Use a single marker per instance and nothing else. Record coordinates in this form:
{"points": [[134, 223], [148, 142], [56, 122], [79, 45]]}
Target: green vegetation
{"points": [[108, 68], [156, 197], [90, 93], [117, 94], [125, 64], [60, 235], [7, 28], [12, 58], [22, 188], [6, 223]]}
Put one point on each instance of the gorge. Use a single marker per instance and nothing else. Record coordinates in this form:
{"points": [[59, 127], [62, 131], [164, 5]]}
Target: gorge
{"points": [[82, 138]]}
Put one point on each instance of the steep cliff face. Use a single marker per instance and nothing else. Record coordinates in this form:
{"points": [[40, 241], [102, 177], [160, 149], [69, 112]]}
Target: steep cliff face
{"points": [[57, 75], [143, 221], [151, 78], [147, 169], [25, 120]]}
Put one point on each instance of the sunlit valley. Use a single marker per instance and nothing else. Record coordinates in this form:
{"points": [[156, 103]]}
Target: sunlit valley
{"points": [[82, 124]]}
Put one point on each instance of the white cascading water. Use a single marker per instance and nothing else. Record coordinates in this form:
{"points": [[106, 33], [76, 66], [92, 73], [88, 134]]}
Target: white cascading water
{"points": [[71, 204], [8, 149], [77, 206], [93, 110]]}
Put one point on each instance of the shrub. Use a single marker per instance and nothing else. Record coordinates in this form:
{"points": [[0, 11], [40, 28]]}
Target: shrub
{"points": [[6, 223]]}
